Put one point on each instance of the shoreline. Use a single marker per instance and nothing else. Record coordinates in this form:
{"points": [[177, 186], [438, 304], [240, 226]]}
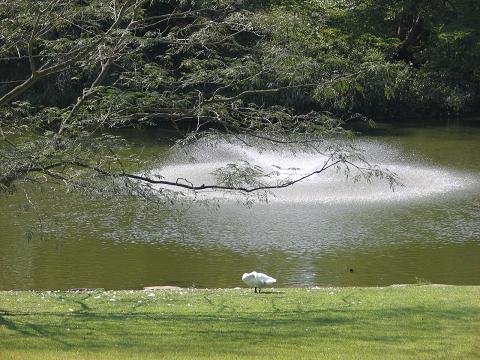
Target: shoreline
{"points": [[179, 288]]}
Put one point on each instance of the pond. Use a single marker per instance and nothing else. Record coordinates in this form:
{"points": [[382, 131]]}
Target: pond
{"points": [[326, 231]]}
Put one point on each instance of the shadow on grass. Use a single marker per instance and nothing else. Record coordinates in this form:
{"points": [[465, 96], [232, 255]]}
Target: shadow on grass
{"points": [[29, 330], [9, 324], [222, 330]]}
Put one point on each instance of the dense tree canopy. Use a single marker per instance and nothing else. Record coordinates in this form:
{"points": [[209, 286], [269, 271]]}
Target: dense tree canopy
{"points": [[285, 71]]}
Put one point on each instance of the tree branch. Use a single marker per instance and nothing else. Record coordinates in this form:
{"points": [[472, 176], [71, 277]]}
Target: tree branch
{"points": [[75, 56], [23, 172], [105, 67], [276, 90]]}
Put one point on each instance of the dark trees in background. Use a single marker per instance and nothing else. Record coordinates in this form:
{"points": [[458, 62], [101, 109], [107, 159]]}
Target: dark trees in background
{"points": [[282, 71]]}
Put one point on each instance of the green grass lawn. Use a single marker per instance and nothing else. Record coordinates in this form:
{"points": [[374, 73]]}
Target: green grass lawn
{"points": [[413, 322]]}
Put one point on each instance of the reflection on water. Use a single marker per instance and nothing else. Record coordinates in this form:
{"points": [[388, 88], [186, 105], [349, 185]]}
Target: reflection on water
{"points": [[311, 235]]}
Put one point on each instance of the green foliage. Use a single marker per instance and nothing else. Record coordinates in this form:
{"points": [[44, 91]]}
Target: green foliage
{"points": [[271, 68], [268, 44]]}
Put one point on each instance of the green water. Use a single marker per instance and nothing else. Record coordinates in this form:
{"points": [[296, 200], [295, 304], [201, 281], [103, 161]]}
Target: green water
{"points": [[88, 242]]}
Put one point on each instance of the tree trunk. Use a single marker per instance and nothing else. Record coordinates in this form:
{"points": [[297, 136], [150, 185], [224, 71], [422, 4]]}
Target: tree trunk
{"points": [[404, 51], [19, 90]]}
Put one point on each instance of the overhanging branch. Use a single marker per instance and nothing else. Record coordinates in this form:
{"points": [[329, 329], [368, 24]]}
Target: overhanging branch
{"points": [[24, 172]]}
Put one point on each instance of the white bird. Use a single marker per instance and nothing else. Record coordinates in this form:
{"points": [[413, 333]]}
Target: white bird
{"points": [[257, 280]]}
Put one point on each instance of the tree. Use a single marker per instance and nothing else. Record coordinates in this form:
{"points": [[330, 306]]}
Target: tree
{"points": [[213, 67]]}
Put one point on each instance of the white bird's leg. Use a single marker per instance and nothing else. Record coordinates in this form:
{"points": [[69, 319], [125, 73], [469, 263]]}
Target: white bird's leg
{"points": [[255, 290]]}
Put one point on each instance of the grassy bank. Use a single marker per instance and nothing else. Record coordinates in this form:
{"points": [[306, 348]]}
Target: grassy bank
{"points": [[413, 322]]}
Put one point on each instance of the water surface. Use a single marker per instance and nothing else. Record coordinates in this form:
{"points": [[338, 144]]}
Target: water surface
{"points": [[326, 231]]}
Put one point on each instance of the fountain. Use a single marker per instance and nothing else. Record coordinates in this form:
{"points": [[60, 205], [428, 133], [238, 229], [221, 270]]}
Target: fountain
{"points": [[198, 163]]}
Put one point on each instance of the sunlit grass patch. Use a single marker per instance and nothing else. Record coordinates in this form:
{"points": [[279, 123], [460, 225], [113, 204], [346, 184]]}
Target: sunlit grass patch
{"points": [[404, 322]]}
